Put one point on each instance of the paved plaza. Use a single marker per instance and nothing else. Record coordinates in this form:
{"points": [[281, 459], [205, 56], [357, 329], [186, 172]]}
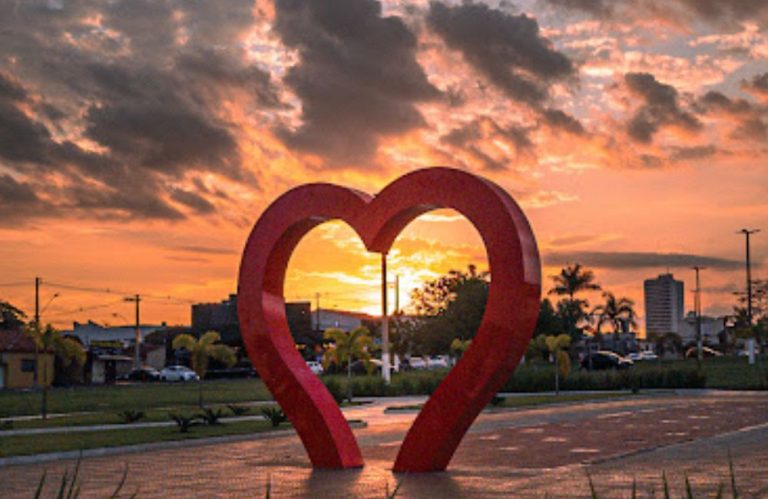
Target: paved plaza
{"points": [[535, 452]]}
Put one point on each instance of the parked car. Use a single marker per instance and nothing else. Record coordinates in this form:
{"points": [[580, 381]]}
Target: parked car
{"points": [[178, 373], [640, 356], [437, 362], [417, 363], [605, 359], [705, 352], [315, 366], [145, 373]]}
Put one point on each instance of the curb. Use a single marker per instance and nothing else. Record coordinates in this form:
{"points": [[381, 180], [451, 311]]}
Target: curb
{"points": [[130, 449]]}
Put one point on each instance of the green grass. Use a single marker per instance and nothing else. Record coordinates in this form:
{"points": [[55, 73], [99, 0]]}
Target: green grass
{"points": [[725, 372], [58, 442], [102, 418], [531, 400], [116, 398]]}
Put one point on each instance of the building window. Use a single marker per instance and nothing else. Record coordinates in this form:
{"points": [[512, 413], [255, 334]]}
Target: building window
{"points": [[27, 365]]}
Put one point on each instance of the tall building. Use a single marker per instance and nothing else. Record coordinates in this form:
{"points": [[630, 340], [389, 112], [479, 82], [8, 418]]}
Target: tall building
{"points": [[664, 304]]}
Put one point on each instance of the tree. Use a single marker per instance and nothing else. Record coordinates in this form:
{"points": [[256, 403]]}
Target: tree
{"points": [[549, 321], [571, 280], [458, 347], [346, 348], [453, 306], [615, 312], [201, 351], [556, 346], [11, 318], [66, 350]]}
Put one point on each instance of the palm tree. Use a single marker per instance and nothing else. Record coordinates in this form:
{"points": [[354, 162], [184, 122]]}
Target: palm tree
{"points": [[201, 351], [66, 350], [556, 346], [572, 280], [346, 348], [615, 312]]}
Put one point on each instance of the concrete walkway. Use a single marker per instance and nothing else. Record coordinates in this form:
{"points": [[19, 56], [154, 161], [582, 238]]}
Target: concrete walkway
{"points": [[521, 453]]}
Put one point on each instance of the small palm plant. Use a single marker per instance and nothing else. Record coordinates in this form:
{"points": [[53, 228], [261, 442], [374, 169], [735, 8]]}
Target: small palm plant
{"points": [[211, 417], [346, 348], [201, 351], [238, 410], [131, 416], [275, 415], [556, 346], [184, 422]]}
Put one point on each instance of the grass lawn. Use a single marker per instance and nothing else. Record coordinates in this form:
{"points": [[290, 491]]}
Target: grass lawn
{"points": [[116, 398], [530, 400], [56, 442], [725, 372], [103, 418]]}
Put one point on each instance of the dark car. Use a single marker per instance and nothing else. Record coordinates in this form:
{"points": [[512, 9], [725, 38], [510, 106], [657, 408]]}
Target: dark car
{"points": [[142, 374], [605, 360]]}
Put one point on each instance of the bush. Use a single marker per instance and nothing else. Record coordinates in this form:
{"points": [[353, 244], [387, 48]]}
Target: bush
{"points": [[130, 416], [184, 423], [211, 417], [275, 415], [336, 389]]}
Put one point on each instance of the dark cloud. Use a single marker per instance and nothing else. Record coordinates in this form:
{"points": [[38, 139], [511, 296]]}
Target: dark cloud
{"points": [[598, 8], [357, 78], [206, 250], [18, 202], [470, 138], [718, 13], [509, 50], [560, 120], [145, 88], [193, 200], [751, 118], [660, 107], [758, 84], [638, 260], [692, 152]]}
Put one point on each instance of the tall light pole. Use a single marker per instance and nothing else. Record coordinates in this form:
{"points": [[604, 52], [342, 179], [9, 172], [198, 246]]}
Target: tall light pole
{"points": [[697, 307], [384, 322], [747, 233], [136, 347]]}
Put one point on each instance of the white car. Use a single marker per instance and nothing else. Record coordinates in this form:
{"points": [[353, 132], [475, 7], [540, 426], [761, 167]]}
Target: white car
{"points": [[417, 363], [437, 362], [178, 373], [315, 366]]}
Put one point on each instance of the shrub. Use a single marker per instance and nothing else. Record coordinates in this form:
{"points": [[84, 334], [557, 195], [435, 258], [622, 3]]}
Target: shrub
{"points": [[130, 416], [275, 415], [238, 410], [184, 423], [211, 417], [336, 389]]}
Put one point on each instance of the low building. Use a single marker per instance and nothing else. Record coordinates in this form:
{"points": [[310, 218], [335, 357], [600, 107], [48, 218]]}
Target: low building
{"points": [[711, 327], [92, 332], [18, 360], [220, 317]]}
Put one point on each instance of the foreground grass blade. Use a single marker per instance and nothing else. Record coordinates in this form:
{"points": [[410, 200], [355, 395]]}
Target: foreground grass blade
{"points": [[734, 491], [40, 485], [591, 486], [122, 482], [688, 489], [634, 487], [665, 482]]}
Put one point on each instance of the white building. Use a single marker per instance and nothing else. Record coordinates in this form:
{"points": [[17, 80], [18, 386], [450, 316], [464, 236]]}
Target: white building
{"points": [[90, 332], [710, 328], [664, 304], [346, 321]]}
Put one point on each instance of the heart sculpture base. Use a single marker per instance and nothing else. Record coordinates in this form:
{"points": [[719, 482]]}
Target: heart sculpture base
{"points": [[505, 330]]}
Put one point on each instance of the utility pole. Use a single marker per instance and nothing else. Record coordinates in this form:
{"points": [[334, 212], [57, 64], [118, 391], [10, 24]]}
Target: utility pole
{"points": [[317, 311], [697, 307], [384, 322], [137, 344], [747, 233], [37, 330]]}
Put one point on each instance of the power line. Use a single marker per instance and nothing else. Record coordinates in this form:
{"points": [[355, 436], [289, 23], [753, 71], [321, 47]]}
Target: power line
{"points": [[84, 309], [14, 284]]}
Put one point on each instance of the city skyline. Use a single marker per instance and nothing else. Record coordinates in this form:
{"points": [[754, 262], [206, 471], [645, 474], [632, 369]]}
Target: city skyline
{"points": [[140, 144]]}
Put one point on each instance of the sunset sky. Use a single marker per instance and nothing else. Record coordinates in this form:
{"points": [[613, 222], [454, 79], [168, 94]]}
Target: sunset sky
{"points": [[140, 140]]}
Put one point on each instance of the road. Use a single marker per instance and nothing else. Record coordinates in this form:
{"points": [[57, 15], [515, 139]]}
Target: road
{"points": [[522, 453]]}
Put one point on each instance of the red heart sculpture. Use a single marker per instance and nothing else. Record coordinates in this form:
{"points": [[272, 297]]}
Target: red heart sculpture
{"points": [[510, 313]]}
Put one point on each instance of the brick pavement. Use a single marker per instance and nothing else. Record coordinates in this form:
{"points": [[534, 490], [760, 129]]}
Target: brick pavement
{"points": [[522, 453]]}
